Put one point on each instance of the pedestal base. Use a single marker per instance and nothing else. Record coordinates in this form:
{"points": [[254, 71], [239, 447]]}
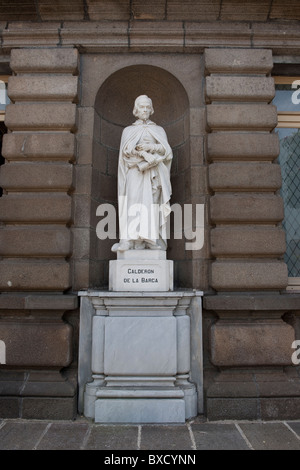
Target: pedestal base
{"points": [[141, 270], [143, 410], [138, 367]]}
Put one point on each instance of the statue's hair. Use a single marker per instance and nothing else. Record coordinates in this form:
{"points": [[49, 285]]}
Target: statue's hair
{"points": [[140, 98]]}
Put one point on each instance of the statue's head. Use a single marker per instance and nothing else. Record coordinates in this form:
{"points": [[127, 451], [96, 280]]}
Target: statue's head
{"points": [[142, 105]]}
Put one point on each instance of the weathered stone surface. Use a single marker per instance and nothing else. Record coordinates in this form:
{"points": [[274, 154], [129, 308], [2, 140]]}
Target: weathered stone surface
{"points": [[30, 301], [47, 60], [193, 10], [245, 11], [33, 275], [281, 37], [30, 344], [271, 436], [60, 11], [247, 241], [232, 408], [41, 116], [168, 437], [244, 146], [285, 10], [49, 408], [199, 35], [257, 302], [155, 10], [281, 408], [249, 343], [36, 208], [170, 35], [36, 177], [98, 37], [16, 437], [244, 176], [35, 242], [109, 10], [242, 208], [248, 275], [262, 117], [44, 147], [213, 436], [246, 88], [21, 34], [249, 61], [63, 436], [43, 88]]}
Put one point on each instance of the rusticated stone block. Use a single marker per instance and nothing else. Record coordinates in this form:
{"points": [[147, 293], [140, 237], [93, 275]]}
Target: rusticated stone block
{"points": [[247, 241], [109, 10], [243, 208], [36, 176], [199, 35], [253, 343], [42, 88], [253, 302], [281, 37], [35, 208], [192, 10], [238, 60], [35, 242], [41, 116], [240, 88], [99, 36], [244, 176], [245, 11], [64, 408], [47, 60], [285, 10], [30, 34], [30, 344], [245, 146], [148, 11], [155, 36], [244, 275], [24, 275], [72, 11], [261, 117], [45, 147]]}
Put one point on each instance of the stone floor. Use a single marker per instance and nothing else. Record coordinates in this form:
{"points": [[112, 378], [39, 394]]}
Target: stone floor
{"points": [[194, 435]]}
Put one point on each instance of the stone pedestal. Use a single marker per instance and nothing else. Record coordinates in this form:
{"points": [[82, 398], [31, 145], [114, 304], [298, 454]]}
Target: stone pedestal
{"points": [[135, 361], [141, 270]]}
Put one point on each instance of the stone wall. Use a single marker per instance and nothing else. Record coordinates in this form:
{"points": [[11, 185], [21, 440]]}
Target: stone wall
{"points": [[60, 163], [36, 239]]}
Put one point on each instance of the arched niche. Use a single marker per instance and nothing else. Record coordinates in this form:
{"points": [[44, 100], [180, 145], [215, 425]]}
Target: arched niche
{"points": [[113, 111]]}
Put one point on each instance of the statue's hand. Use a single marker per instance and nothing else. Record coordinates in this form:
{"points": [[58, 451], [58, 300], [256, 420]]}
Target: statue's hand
{"points": [[148, 157], [145, 147]]}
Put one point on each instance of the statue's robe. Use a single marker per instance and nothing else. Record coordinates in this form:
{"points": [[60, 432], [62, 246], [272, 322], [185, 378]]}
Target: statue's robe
{"points": [[141, 193]]}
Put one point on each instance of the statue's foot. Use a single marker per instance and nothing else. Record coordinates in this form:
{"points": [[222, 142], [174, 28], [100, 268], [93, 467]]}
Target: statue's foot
{"points": [[124, 246], [153, 246], [140, 245], [115, 247]]}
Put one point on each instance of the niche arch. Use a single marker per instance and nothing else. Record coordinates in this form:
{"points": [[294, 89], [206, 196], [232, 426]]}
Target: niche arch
{"points": [[113, 111]]}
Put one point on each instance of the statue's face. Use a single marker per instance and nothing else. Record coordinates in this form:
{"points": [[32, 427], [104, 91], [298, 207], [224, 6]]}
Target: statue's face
{"points": [[143, 109]]}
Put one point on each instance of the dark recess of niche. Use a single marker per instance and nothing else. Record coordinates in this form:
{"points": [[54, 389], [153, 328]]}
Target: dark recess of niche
{"points": [[3, 130]]}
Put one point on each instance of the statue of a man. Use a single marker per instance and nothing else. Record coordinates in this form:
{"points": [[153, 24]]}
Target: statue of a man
{"points": [[144, 188]]}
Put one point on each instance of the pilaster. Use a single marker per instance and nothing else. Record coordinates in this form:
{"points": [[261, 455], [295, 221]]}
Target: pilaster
{"points": [[250, 346], [35, 237]]}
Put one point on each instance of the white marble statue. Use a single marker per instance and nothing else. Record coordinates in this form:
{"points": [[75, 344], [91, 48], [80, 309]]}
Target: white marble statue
{"points": [[144, 187]]}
